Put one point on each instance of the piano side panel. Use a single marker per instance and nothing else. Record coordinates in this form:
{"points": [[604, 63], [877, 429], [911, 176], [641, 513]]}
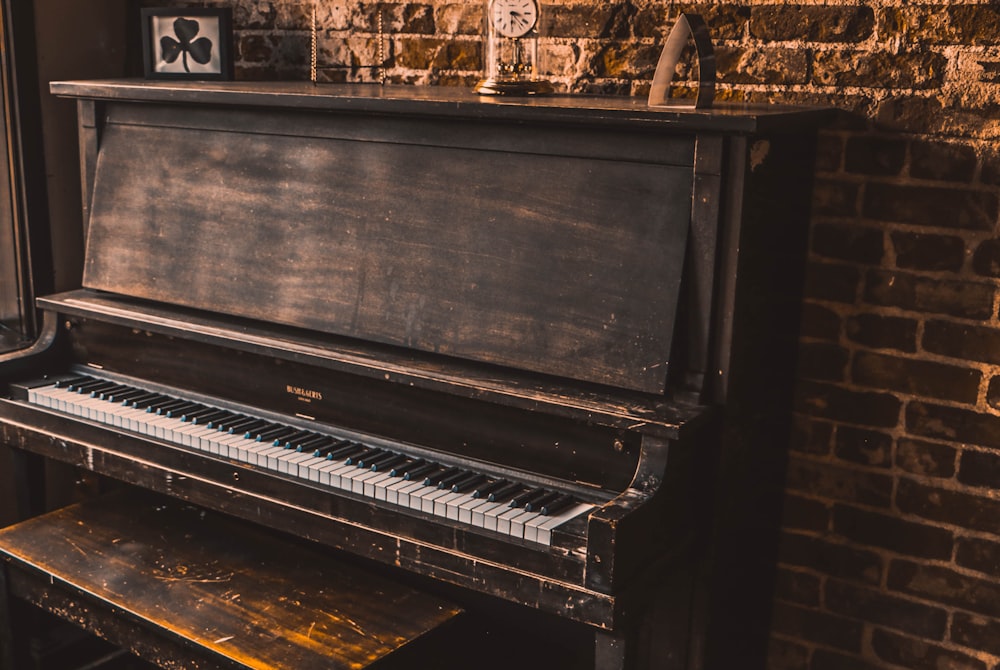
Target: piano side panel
{"points": [[539, 262]]}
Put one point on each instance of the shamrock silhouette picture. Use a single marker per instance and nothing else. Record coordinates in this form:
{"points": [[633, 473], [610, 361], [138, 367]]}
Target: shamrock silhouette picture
{"points": [[186, 30], [190, 43]]}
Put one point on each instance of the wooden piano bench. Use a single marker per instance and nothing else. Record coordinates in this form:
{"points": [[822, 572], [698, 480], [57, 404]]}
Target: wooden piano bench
{"points": [[188, 589]]}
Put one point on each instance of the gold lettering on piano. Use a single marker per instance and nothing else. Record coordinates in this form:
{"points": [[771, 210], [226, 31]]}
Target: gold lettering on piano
{"points": [[306, 395]]}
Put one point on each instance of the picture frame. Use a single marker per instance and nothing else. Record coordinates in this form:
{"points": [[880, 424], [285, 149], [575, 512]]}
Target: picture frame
{"points": [[187, 43]]}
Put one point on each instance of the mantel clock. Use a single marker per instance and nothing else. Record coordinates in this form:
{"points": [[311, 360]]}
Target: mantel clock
{"points": [[512, 49]]}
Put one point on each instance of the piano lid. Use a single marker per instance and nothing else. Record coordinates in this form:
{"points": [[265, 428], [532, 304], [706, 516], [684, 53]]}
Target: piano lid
{"points": [[550, 249]]}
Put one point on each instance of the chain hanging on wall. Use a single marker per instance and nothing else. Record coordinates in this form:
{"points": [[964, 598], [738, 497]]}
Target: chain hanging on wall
{"points": [[379, 49]]}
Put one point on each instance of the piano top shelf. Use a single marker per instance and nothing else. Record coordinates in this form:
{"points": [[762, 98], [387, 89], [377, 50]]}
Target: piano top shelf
{"points": [[456, 102]]}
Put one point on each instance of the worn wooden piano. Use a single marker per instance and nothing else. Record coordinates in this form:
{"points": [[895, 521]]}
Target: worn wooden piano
{"points": [[510, 350]]}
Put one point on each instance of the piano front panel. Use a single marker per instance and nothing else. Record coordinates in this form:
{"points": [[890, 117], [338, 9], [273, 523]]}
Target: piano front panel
{"points": [[588, 455]]}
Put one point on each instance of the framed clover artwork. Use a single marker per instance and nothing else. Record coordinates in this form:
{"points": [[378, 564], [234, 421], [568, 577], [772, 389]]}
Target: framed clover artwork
{"points": [[190, 43]]}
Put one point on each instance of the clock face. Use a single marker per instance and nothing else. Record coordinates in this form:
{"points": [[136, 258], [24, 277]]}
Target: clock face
{"points": [[513, 18]]}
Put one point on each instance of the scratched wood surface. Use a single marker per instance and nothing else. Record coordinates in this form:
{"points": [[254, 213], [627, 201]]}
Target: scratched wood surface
{"points": [[243, 596]]}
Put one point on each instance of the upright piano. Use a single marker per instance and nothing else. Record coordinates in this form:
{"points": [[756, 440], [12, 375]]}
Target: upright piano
{"points": [[513, 348]]}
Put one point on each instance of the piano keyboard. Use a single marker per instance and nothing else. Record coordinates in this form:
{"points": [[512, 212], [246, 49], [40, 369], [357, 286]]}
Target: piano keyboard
{"points": [[483, 501]]}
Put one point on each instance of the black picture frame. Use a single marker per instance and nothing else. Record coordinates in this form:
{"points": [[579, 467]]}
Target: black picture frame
{"points": [[187, 43]]}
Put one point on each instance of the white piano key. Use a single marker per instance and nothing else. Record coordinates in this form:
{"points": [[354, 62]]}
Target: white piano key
{"points": [[361, 481], [519, 522], [543, 530], [431, 497], [375, 487]]}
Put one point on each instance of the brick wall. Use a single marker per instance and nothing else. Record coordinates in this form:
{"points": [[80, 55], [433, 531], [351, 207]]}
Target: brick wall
{"points": [[890, 549]]}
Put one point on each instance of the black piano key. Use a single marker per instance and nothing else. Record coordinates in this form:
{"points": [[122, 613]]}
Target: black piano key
{"points": [[251, 432], [338, 449], [410, 463], [166, 402], [214, 422], [435, 478], [152, 401], [373, 462], [176, 411], [486, 489], [223, 425], [71, 382], [247, 424], [321, 445], [446, 480], [359, 458], [465, 483], [536, 504], [389, 462], [273, 433], [88, 388], [557, 505], [508, 490], [522, 499], [126, 396], [140, 401], [347, 452], [289, 441], [306, 444], [203, 415], [418, 471], [108, 393]]}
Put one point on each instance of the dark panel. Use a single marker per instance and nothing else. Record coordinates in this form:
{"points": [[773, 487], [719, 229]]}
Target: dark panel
{"points": [[536, 262]]}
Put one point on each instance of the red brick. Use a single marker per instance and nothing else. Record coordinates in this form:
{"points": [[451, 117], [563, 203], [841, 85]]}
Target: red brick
{"points": [[976, 632], [883, 332], [956, 508], [929, 459], [814, 23], [953, 424], [942, 207], [917, 293], [874, 529], [942, 161], [919, 251], [838, 483], [849, 67], [945, 586], [840, 404], [867, 447], [876, 606], [914, 376], [914, 654], [979, 555], [875, 155], [962, 341], [816, 626]]}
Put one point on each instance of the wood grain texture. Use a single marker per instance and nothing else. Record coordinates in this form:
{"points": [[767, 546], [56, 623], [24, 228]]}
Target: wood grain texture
{"points": [[537, 262], [242, 595]]}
